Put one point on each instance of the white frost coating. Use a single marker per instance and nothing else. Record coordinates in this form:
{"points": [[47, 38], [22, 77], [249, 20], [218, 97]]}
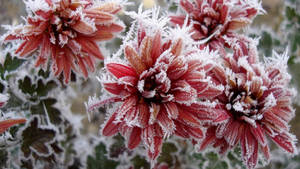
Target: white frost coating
{"points": [[35, 5], [237, 106], [150, 19], [83, 18], [270, 101], [4, 98]]}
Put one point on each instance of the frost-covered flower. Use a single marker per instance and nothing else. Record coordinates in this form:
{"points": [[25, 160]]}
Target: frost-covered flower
{"points": [[212, 20], [257, 101], [66, 32], [158, 86]]}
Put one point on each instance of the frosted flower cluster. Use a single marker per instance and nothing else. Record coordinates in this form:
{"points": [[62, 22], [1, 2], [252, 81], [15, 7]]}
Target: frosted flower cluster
{"points": [[182, 81], [188, 74]]}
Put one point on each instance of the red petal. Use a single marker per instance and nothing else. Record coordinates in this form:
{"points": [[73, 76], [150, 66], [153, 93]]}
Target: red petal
{"points": [[183, 92], [157, 148], [285, 141], [134, 60], [156, 47], [146, 48], [189, 118], [195, 132], [113, 88], [177, 19], [209, 138], [119, 70], [101, 35], [180, 130], [99, 17], [259, 134], [165, 122], [83, 27], [110, 127], [171, 109], [111, 28], [135, 137], [143, 114], [29, 46], [90, 47], [5, 124]]}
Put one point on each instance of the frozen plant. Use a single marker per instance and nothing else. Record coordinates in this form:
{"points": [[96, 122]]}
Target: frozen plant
{"points": [[257, 101], [186, 86], [66, 32], [215, 20]]}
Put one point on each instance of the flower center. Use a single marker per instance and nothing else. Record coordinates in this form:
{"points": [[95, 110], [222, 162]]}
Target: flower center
{"points": [[60, 30], [154, 86], [243, 106]]}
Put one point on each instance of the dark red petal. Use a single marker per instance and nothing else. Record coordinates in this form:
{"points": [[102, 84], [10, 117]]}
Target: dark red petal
{"points": [[157, 148], [180, 130], [111, 127], [195, 132], [188, 118], [285, 141], [134, 138], [259, 134], [143, 114]]}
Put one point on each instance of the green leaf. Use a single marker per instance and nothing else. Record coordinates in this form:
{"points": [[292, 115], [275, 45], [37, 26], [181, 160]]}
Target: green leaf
{"points": [[167, 153], [140, 163], [37, 138], [100, 160], [36, 89], [53, 113], [118, 147], [3, 158], [10, 65]]}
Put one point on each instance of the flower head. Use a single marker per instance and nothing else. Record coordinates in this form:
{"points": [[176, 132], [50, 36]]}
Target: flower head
{"points": [[212, 20], [257, 101], [158, 85], [67, 32]]}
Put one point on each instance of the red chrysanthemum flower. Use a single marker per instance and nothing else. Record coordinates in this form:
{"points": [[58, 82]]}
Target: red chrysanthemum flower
{"points": [[5, 124], [158, 89], [257, 101], [212, 20], [67, 32]]}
